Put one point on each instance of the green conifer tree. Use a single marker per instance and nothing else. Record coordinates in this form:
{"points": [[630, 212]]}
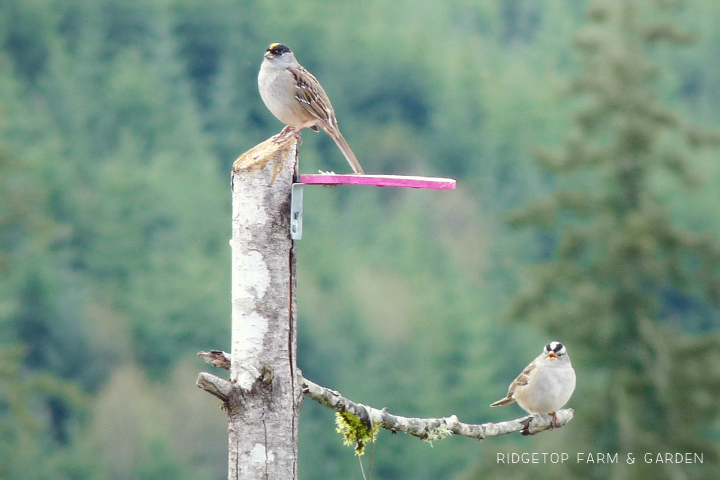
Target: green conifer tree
{"points": [[620, 265]]}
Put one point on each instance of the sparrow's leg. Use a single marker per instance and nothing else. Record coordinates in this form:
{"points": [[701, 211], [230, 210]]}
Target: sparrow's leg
{"points": [[286, 132]]}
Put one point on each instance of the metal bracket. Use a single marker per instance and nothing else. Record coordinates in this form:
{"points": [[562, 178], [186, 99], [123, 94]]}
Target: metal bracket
{"points": [[296, 210]]}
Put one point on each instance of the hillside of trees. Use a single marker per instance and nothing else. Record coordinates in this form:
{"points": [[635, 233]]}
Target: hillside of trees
{"points": [[584, 139]]}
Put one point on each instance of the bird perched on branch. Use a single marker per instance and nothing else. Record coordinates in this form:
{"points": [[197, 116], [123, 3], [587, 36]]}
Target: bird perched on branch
{"points": [[545, 385], [297, 99]]}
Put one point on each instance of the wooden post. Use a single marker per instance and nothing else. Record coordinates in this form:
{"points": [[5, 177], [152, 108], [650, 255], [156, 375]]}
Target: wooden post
{"points": [[264, 394]]}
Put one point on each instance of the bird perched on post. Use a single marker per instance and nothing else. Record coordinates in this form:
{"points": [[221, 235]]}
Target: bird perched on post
{"points": [[545, 385], [297, 99]]}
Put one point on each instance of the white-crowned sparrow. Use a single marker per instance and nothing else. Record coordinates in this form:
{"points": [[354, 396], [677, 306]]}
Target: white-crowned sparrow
{"points": [[297, 99], [545, 385]]}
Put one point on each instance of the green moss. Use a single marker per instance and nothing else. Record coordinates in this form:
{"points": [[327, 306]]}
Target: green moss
{"points": [[355, 432]]}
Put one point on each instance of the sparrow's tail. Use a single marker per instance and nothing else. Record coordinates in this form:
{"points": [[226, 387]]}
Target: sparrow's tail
{"points": [[345, 148], [503, 402]]}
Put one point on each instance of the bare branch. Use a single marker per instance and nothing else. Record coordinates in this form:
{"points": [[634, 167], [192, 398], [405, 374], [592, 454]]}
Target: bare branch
{"points": [[217, 386], [424, 428], [216, 358], [433, 428]]}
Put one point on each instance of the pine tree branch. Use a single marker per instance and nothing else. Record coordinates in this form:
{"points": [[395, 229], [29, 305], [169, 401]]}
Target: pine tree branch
{"points": [[424, 428]]}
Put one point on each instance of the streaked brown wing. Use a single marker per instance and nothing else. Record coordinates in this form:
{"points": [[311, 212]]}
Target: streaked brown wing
{"points": [[522, 379], [312, 96]]}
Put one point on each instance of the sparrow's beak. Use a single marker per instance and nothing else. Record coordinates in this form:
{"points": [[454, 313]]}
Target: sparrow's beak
{"points": [[552, 356], [268, 54]]}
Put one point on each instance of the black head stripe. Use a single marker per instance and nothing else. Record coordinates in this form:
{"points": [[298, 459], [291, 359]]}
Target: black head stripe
{"points": [[555, 347], [278, 49]]}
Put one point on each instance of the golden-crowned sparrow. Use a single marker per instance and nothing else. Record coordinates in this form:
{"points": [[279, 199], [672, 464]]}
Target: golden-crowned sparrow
{"points": [[297, 99]]}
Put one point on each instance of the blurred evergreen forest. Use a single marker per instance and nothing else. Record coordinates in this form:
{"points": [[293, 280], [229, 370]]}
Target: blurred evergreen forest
{"points": [[587, 211]]}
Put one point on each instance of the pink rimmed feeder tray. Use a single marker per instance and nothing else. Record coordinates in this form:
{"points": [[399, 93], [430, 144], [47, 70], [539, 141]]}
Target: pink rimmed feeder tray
{"points": [[379, 181], [327, 179]]}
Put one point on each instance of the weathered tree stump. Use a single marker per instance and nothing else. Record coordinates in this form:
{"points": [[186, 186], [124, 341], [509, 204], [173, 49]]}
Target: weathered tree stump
{"points": [[264, 394]]}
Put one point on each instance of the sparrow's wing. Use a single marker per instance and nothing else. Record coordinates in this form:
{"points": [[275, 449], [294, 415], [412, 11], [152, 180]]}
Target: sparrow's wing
{"points": [[311, 95], [313, 98], [521, 379]]}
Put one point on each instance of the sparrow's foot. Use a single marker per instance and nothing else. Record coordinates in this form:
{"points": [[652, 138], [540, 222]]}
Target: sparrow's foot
{"points": [[286, 132], [526, 426]]}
